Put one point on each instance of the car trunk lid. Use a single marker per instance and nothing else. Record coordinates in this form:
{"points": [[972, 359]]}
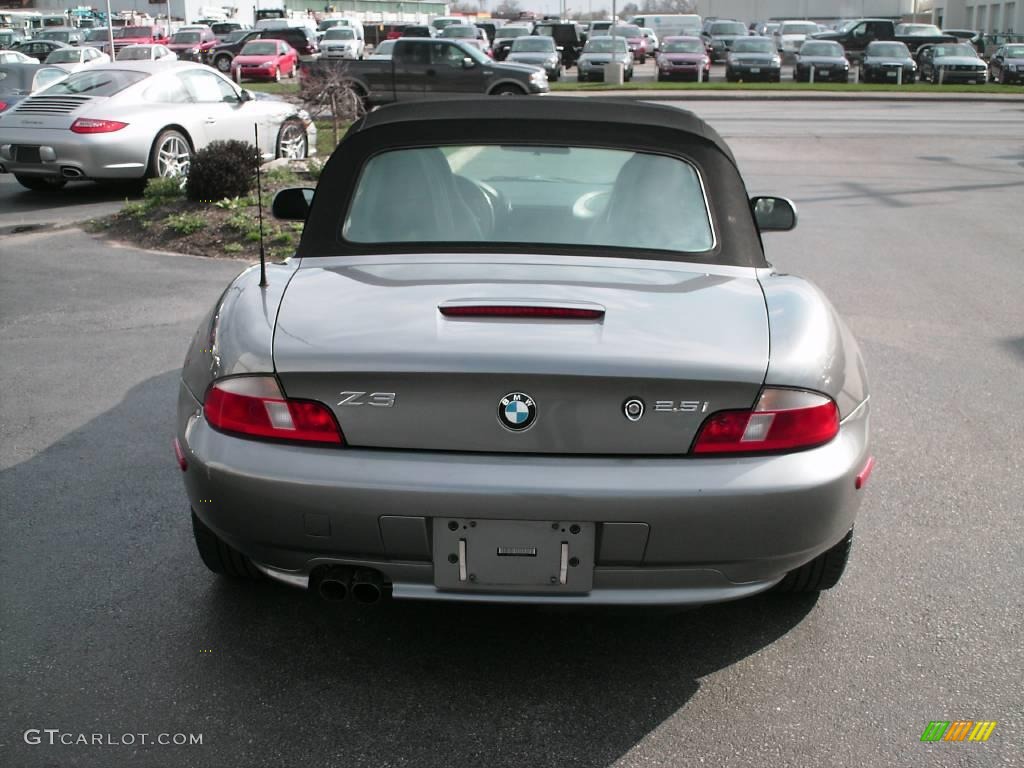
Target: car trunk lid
{"points": [[370, 339]]}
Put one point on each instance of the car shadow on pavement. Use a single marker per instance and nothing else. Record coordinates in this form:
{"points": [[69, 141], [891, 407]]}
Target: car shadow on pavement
{"points": [[131, 631]]}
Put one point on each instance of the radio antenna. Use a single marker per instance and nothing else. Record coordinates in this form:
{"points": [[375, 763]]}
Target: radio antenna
{"points": [[259, 203]]}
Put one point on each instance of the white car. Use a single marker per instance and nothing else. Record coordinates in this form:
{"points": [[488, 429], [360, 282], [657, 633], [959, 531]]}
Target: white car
{"points": [[383, 50], [341, 43], [146, 52], [74, 59], [15, 57], [791, 35], [651, 38], [140, 119]]}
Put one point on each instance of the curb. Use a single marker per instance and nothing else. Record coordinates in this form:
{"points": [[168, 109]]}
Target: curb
{"points": [[686, 95]]}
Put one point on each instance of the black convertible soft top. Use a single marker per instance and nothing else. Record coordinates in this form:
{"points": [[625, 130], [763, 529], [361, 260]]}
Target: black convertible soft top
{"points": [[538, 120], [561, 108]]}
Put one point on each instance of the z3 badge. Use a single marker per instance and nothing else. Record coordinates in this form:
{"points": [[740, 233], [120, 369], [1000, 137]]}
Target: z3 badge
{"points": [[378, 399]]}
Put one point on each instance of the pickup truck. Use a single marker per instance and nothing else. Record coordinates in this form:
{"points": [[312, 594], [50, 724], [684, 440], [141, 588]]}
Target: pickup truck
{"points": [[430, 68], [857, 34]]}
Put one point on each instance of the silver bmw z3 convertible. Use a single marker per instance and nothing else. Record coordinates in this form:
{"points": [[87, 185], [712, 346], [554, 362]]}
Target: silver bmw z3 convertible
{"points": [[527, 351]]}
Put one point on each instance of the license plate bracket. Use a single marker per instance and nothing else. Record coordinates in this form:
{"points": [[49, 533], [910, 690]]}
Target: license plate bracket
{"points": [[518, 556], [755, 70], [27, 154]]}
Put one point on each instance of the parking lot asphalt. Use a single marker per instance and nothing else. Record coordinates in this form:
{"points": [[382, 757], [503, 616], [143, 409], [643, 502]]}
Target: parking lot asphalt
{"points": [[113, 626]]}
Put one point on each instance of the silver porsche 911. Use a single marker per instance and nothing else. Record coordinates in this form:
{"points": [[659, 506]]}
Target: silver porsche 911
{"points": [[136, 119], [526, 351]]}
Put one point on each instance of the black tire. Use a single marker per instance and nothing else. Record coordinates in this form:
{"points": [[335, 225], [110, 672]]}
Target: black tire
{"points": [[581, 78], [218, 556], [823, 572], [40, 183], [289, 127], [508, 90], [643, 59], [152, 171], [223, 63], [707, 77], [661, 78]]}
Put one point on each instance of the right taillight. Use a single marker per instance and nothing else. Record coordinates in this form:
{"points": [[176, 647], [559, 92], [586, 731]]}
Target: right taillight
{"points": [[254, 406], [782, 420]]}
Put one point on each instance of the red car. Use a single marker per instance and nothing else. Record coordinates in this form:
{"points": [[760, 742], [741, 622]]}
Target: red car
{"points": [[265, 60], [125, 36], [192, 44], [684, 57]]}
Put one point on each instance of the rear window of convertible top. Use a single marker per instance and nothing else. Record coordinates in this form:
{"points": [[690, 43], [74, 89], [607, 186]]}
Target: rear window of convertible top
{"points": [[530, 195]]}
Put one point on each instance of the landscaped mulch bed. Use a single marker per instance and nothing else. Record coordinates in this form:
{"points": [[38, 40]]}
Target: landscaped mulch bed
{"points": [[165, 220]]}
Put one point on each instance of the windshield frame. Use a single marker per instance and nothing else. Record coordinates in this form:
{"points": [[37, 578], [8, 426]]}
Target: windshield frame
{"points": [[735, 27], [901, 50], [547, 42], [809, 28], [696, 45], [270, 44], [763, 46], [831, 50], [613, 45]]}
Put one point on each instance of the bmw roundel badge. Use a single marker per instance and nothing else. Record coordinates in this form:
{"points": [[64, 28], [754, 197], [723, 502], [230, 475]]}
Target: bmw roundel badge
{"points": [[517, 411]]}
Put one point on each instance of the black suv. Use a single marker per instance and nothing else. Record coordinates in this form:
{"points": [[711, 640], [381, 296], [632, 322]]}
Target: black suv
{"points": [[568, 37], [220, 56], [302, 39]]}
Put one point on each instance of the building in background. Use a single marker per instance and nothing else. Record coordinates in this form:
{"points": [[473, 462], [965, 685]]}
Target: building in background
{"points": [[1000, 16], [243, 11], [816, 10]]}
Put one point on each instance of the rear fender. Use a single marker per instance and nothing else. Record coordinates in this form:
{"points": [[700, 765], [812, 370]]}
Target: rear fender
{"points": [[237, 335], [809, 344]]}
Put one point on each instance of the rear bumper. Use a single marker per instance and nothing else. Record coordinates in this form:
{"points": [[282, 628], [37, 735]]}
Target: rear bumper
{"points": [[697, 530], [118, 155]]}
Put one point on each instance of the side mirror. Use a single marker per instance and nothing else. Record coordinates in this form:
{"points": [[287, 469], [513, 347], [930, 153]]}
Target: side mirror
{"points": [[773, 214], [292, 204], [468, 63], [244, 95]]}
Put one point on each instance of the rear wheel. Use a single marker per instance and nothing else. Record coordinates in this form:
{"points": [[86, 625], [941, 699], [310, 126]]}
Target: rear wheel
{"points": [[823, 572], [707, 76], [171, 155], [277, 74], [218, 556], [40, 183]]}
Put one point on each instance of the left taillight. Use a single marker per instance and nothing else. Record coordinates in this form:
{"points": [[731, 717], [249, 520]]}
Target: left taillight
{"points": [[254, 406], [88, 125], [3, 106], [782, 420]]}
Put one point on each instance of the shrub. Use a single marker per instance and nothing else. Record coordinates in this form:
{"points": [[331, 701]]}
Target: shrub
{"points": [[233, 248], [185, 223], [222, 169], [159, 190], [136, 209]]}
